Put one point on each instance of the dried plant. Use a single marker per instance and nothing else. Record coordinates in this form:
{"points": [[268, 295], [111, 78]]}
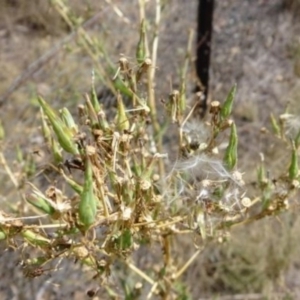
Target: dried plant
{"points": [[122, 193]]}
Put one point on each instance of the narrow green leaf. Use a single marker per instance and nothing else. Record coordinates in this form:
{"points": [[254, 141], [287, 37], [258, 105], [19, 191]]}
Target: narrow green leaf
{"points": [[74, 185], [227, 106]]}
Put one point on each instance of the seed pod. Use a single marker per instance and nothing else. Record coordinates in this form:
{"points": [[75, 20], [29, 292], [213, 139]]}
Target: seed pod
{"points": [[56, 151], [294, 169], [122, 120], [102, 120], [91, 112], [182, 98], [141, 46], [94, 98], [2, 235], [63, 133], [266, 197], [230, 158], [261, 175], [68, 120], [143, 69], [88, 204], [2, 132], [35, 238], [45, 128], [227, 106], [275, 126], [121, 86], [40, 203], [97, 117], [173, 106]]}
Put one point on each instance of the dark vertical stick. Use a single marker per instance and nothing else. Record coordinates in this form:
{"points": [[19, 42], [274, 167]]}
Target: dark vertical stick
{"points": [[204, 35]]}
